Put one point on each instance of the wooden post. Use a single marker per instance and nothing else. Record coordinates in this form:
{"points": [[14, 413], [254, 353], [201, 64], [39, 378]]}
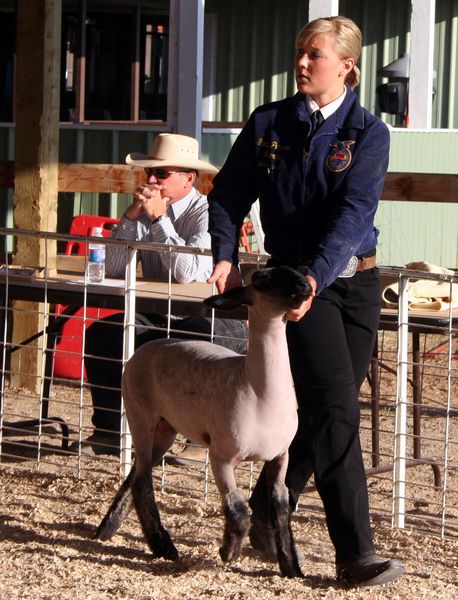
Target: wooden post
{"points": [[36, 156]]}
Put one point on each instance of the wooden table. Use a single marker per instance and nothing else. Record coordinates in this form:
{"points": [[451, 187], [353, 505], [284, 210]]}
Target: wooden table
{"points": [[67, 286]]}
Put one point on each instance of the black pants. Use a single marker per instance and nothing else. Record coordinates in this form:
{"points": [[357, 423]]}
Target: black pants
{"points": [[103, 354], [330, 351]]}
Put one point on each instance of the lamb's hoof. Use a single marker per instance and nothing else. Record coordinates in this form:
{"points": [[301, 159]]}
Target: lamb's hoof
{"points": [[290, 569], [262, 538], [163, 547], [168, 553], [103, 534], [107, 528], [289, 557], [229, 553]]}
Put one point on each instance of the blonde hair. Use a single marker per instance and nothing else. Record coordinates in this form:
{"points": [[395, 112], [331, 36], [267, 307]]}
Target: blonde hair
{"points": [[347, 38]]}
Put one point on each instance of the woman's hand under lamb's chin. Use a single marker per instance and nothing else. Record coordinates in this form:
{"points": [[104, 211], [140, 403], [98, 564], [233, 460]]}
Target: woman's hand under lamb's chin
{"points": [[296, 314]]}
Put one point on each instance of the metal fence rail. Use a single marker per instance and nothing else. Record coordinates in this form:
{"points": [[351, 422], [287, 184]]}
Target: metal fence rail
{"points": [[409, 440]]}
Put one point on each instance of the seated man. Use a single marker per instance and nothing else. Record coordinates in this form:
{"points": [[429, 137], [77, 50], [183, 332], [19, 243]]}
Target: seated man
{"points": [[167, 209]]}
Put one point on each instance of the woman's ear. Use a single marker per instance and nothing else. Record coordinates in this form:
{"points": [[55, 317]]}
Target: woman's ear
{"points": [[347, 66]]}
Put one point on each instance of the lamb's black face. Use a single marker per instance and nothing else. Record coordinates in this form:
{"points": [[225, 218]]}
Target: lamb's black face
{"points": [[286, 287], [283, 282]]}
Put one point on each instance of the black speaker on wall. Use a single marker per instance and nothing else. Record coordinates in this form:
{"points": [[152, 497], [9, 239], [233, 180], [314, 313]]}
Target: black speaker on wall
{"points": [[392, 97]]}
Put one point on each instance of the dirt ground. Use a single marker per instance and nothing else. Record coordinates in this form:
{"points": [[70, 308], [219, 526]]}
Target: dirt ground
{"points": [[48, 518], [47, 551]]}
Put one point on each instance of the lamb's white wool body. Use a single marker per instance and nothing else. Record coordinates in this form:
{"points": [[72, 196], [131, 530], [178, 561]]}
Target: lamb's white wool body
{"points": [[242, 406], [239, 407]]}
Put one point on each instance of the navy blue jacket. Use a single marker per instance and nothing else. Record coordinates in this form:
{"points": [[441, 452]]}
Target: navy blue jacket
{"points": [[318, 196]]}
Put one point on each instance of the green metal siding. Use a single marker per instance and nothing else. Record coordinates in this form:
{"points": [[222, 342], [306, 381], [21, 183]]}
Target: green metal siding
{"points": [[386, 36], [414, 231], [255, 53], [424, 151], [417, 231], [216, 146]]}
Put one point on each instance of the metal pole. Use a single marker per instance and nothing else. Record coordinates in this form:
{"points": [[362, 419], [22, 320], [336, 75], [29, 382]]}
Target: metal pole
{"points": [[128, 350], [400, 430]]}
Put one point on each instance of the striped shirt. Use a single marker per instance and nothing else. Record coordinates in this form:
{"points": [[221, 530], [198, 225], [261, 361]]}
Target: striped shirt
{"points": [[186, 224]]}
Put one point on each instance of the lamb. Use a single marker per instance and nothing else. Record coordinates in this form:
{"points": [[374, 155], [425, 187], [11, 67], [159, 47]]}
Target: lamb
{"points": [[239, 407]]}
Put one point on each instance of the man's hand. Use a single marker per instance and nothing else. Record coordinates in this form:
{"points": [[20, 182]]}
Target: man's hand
{"points": [[226, 276], [296, 314], [148, 200]]}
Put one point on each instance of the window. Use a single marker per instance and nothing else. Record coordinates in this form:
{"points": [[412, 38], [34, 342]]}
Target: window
{"points": [[154, 69], [115, 66], [108, 66], [68, 62], [114, 60]]}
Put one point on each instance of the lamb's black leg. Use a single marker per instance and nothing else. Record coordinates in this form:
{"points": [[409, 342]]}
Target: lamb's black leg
{"points": [[235, 509], [281, 518], [281, 522], [157, 537], [237, 523], [119, 509]]}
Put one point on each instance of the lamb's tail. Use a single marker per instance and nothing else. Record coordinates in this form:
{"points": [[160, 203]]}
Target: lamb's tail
{"points": [[118, 511]]}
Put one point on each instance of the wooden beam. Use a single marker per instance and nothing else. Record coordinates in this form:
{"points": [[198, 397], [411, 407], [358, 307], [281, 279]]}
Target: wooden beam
{"points": [[37, 96], [102, 178], [421, 187], [78, 177], [37, 122], [106, 178], [415, 187]]}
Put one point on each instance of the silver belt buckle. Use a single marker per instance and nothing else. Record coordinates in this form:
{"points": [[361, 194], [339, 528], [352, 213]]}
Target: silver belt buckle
{"points": [[351, 267]]}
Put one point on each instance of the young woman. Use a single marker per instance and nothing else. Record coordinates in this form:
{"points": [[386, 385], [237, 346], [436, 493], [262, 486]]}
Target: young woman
{"points": [[317, 163]]}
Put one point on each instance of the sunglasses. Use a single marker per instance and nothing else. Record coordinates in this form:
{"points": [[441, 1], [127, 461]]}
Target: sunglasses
{"points": [[159, 173]]}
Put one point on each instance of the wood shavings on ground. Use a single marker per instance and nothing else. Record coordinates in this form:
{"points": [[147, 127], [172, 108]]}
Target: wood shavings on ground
{"points": [[47, 551]]}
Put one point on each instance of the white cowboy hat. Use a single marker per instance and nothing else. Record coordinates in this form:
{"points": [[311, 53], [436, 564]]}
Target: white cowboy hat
{"points": [[172, 150]]}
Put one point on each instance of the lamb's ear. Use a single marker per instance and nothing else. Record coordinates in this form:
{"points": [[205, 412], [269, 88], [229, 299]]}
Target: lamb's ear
{"points": [[230, 299]]}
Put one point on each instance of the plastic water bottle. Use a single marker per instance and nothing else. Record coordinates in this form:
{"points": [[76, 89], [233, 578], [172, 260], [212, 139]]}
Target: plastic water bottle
{"points": [[96, 258]]}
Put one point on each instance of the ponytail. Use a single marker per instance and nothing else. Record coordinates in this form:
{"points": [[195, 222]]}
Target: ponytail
{"points": [[353, 77]]}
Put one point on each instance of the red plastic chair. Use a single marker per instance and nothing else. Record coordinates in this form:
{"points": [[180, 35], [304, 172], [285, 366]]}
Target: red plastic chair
{"points": [[68, 350], [82, 225]]}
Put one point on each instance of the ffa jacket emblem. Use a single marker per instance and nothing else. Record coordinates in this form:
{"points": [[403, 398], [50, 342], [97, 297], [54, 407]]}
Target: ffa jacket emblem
{"points": [[339, 156]]}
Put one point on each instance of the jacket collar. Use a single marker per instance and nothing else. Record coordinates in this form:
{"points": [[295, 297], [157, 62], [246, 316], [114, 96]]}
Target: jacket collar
{"points": [[349, 115]]}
